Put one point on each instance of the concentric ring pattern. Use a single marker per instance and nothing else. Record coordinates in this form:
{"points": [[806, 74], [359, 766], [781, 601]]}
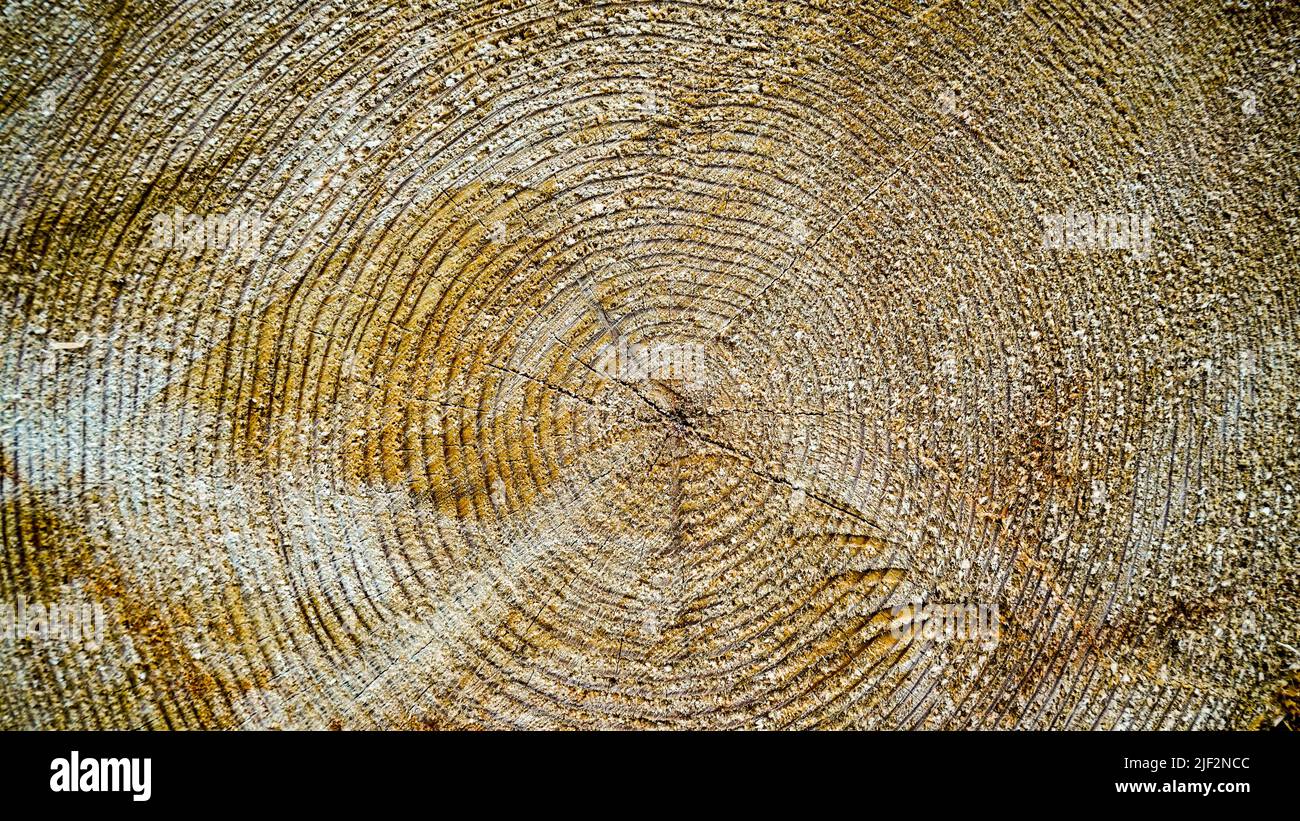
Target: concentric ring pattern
{"points": [[648, 364]]}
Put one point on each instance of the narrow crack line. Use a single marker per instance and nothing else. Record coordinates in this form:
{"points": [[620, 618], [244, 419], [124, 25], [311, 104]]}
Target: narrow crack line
{"points": [[751, 464], [550, 385], [614, 380]]}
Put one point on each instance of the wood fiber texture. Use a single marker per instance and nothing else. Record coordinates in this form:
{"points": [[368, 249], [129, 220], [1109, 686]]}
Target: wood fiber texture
{"points": [[650, 364]]}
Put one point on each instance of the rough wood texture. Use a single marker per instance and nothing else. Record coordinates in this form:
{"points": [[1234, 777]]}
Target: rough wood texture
{"points": [[369, 465]]}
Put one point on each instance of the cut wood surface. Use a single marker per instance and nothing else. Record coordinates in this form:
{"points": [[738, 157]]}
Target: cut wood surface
{"points": [[729, 364]]}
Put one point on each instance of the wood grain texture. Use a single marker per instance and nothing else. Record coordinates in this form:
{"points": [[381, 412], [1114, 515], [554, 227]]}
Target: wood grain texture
{"points": [[368, 464]]}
